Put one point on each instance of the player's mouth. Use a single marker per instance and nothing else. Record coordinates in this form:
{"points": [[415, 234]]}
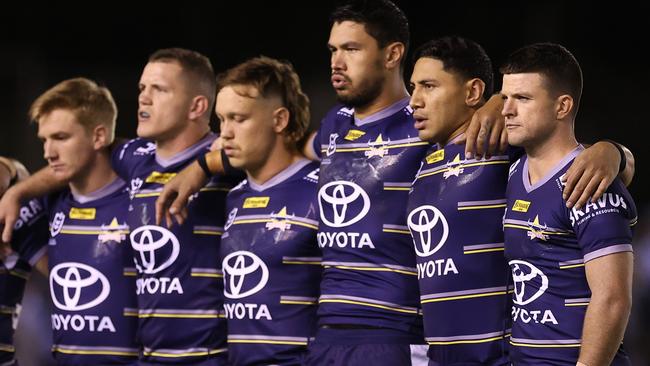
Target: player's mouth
{"points": [[512, 126], [229, 150], [420, 122], [339, 81], [57, 167], [143, 116]]}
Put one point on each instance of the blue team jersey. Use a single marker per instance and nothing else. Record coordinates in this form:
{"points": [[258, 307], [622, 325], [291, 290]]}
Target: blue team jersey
{"points": [[367, 166], [455, 210], [272, 267], [179, 278], [28, 246], [547, 246], [94, 318]]}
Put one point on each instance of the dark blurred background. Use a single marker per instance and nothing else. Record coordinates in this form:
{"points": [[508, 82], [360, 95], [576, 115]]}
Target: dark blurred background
{"points": [[42, 45]]}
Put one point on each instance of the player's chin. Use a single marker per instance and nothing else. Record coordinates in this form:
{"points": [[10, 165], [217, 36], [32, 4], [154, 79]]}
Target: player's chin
{"points": [[145, 132], [63, 174], [426, 135], [237, 162], [515, 139]]}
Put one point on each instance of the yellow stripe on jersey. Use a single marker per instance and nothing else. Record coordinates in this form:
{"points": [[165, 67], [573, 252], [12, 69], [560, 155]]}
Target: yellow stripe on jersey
{"points": [[353, 302], [262, 341]]}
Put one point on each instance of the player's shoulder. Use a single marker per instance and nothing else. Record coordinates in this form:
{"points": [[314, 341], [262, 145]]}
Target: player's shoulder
{"points": [[336, 114], [309, 173], [136, 148], [240, 187]]}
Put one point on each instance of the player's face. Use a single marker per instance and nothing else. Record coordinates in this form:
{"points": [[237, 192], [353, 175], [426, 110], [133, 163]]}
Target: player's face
{"points": [[438, 101], [356, 64], [528, 108], [68, 146], [164, 101], [247, 126]]}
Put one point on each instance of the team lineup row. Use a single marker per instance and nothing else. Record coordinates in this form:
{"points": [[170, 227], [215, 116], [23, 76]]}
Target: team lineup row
{"points": [[448, 225]]}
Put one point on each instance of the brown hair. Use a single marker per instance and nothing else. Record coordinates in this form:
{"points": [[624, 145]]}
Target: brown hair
{"points": [[92, 104], [273, 77]]}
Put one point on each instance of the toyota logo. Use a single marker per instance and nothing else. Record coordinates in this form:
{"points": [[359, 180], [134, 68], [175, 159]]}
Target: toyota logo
{"points": [[423, 223], [340, 196], [522, 274], [240, 266], [153, 252], [74, 278]]}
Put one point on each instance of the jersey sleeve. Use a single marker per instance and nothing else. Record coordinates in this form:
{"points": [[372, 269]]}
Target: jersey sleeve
{"points": [[316, 144], [605, 226], [31, 232], [120, 157]]}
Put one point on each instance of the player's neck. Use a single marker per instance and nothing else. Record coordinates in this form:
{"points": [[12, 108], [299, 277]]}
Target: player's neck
{"points": [[99, 174], [392, 92], [460, 129], [545, 156], [277, 161], [168, 147]]}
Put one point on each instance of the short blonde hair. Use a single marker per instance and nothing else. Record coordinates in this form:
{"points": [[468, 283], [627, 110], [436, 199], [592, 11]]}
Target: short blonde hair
{"points": [[92, 104]]}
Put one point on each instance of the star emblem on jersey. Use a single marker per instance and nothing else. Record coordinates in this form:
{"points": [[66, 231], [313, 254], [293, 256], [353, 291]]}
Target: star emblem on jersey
{"points": [[156, 248], [331, 148], [536, 231], [112, 232], [527, 286], [279, 220], [69, 280], [244, 274], [342, 203], [454, 167], [57, 223], [377, 148], [429, 229]]}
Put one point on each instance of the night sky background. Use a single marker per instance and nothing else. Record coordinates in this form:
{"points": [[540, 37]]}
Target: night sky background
{"points": [[110, 43]]}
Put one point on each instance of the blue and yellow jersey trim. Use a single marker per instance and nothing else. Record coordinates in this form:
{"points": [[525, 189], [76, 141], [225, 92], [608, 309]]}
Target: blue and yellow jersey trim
{"points": [[288, 219], [545, 343], [372, 267], [468, 338], [465, 294], [367, 302], [446, 167], [267, 339], [92, 350]]}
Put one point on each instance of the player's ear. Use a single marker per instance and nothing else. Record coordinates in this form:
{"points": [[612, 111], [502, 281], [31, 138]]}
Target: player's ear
{"points": [[200, 104], [394, 53], [280, 119], [474, 92], [101, 137], [563, 106]]}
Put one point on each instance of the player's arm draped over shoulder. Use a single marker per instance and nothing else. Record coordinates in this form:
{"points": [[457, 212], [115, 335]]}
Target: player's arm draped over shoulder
{"points": [[39, 184], [172, 202]]}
